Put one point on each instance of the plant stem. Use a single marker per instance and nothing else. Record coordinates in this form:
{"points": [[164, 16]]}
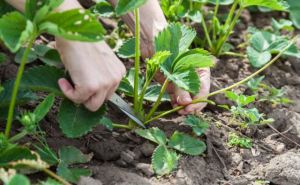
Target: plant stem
{"points": [[199, 100], [231, 13], [131, 124], [137, 59], [121, 126], [215, 18], [16, 86], [206, 32], [156, 104], [142, 95], [228, 32], [233, 54], [58, 178], [18, 136]]}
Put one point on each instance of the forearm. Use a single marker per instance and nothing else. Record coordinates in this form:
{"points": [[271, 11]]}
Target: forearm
{"points": [[66, 5], [152, 22]]}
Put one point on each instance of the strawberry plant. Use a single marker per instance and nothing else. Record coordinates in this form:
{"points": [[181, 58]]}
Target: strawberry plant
{"points": [[173, 56], [217, 31], [236, 141]]}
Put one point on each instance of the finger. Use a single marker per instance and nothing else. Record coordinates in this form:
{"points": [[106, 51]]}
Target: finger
{"points": [[182, 97], [95, 102], [195, 107], [70, 92], [111, 92]]}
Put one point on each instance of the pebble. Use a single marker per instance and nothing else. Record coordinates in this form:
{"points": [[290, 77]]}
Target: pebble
{"points": [[147, 149], [146, 169]]}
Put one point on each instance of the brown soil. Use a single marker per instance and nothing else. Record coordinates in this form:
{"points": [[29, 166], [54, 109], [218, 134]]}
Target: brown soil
{"points": [[122, 158]]}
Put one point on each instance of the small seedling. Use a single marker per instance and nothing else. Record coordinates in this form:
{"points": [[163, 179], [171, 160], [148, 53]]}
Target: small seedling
{"points": [[236, 141], [165, 158]]}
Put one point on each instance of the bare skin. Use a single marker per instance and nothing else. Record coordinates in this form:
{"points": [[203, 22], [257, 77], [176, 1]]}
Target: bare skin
{"points": [[97, 72]]}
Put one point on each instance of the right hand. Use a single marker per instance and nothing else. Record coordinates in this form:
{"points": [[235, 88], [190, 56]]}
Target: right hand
{"points": [[94, 69]]}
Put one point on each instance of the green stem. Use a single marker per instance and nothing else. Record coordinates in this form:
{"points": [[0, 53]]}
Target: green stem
{"points": [[16, 86], [228, 32], [137, 59], [142, 95], [214, 18], [199, 100], [136, 65], [18, 136], [231, 13], [121, 126], [206, 32], [233, 54], [156, 104]]}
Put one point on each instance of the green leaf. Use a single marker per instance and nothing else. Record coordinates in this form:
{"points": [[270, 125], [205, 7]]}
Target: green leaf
{"points": [[258, 59], [14, 153], [271, 4], [50, 181], [33, 8], [235, 140], [71, 155], [127, 50], [152, 94], [187, 80], [282, 24], [44, 107], [164, 161], [72, 174], [103, 8], [107, 123], [76, 24], [42, 78], [3, 58], [196, 58], [154, 63], [186, 144], [127, 83], [175, 38], [294, 12], [24, 96], [195, 16], [198, 125], [76, 121], [153, 134], [15, 30], [254, 83], [125, 6], [240, 100], [18, 179]]}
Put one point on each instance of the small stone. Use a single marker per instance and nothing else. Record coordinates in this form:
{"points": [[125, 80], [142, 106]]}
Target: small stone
{"points": [[147, 149], [107, 150], [127, 156], [236, 158], [146, 169], [284, 169], [89, 181]]}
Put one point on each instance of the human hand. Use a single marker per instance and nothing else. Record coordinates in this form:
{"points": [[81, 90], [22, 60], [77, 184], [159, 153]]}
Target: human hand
{"points": [[94, 69], [180, 97]]}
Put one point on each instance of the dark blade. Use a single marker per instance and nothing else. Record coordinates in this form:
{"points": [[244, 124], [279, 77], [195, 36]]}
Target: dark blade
{"points": [[123, 106]]}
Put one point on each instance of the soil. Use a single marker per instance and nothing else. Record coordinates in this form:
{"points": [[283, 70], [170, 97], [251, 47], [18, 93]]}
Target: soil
{"points": [[122, 158]]}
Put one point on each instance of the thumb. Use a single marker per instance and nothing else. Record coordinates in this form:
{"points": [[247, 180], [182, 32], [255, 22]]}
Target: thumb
{"points": [[182, 97], [67, 89]]}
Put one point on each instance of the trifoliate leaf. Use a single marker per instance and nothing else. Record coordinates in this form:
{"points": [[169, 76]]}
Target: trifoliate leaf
{"points": [[76, 24], [240, 100], [198, 125], [186, 144], [152, 94], [153, 134], [125, 6], [164, 161], [15, 30], [154, 63], [187, 80], [258, 59], [235, 140]]}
